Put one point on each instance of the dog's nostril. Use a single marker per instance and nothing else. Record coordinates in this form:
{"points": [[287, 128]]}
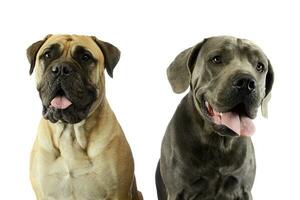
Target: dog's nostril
{"points": [[66, 69], [239, 83], [62, 69], [245, 83], [251, 85], [55, 70]]}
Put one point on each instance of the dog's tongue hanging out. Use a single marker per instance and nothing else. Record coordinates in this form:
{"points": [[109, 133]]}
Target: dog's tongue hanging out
{"points": [[242, 125], [60, 102]]}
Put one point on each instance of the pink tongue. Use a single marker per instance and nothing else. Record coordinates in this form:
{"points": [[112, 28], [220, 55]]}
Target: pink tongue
{"points": [[61, 102], [242, 125]]}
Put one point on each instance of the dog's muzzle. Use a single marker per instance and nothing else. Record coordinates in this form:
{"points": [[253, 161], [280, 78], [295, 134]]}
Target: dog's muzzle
{"points": [[66, 93]]}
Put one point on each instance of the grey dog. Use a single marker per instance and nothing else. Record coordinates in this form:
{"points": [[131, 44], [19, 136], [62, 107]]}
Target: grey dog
{"points": [[206, 152]]}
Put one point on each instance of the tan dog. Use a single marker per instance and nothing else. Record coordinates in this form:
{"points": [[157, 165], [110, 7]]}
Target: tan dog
{"points": [[80, 151]]}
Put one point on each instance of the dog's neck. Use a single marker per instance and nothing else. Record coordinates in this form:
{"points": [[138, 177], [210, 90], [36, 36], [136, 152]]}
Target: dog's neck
{"points": [[79, 133]]}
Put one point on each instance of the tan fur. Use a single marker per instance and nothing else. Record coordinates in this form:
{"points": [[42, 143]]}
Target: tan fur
{"points": [[90, 160]]}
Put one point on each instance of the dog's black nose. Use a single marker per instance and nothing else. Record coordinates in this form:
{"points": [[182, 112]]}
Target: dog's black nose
{"points": [[244, 83], [61, 69]]}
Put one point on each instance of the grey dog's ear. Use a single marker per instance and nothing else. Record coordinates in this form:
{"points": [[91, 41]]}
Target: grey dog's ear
{"points": [[269, 84], [180, 70], [32, 52], [111, 55]]}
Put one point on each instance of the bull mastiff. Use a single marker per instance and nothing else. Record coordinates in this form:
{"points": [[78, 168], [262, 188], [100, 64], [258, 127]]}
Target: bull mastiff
{"points": [[206, 152], [80, 151]]}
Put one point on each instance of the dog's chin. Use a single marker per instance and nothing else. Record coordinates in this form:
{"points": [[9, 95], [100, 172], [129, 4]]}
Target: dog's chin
{"points": [[232, 120]]}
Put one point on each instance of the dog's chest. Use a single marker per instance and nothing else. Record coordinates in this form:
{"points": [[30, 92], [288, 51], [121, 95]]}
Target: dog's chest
{"points": [[74, 172], [222, 176]]}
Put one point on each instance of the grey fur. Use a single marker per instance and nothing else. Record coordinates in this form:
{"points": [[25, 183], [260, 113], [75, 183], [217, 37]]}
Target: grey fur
{"points": [[199, 159]]}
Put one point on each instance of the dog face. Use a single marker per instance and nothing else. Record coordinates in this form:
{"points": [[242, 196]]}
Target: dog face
{"points": [[69, 72], [229, 78]]}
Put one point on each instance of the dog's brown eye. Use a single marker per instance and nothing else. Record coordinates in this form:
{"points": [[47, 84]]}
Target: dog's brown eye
{"points": [[260, 67], [216, 60], [47, 55], [86, 57]]}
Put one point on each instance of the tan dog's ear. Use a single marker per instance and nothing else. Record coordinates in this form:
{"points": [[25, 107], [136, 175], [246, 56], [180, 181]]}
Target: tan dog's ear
{"points": [[32, 52], [180, 70], [269, 84], [111, 55]]}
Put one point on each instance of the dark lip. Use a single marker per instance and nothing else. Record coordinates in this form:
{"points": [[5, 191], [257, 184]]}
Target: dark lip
{"points": [[239, 107], [242, 110], [222, 130], [60, 92], [204, 109]]}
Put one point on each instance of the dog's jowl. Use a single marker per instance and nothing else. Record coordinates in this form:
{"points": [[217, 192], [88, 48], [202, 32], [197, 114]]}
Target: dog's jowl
{"points": [[207, 152], [80, 151]]}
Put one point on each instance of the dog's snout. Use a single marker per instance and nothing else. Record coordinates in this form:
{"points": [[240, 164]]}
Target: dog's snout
{"points": [[61, 69], [244, 83]]}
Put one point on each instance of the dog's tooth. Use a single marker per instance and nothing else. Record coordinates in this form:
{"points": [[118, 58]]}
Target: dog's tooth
{"points": [[206, 104]]}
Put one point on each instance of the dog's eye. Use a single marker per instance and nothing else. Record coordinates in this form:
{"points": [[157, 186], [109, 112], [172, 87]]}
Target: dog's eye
{"points": [[47, 55], [86, 57], [260, 67], [216, 60]]}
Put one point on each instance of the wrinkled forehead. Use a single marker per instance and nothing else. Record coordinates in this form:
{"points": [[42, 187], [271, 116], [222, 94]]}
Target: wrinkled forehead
{"points": [[227, 43], [69, 43]]}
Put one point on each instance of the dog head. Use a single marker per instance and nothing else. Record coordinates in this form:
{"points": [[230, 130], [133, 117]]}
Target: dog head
{"points": [[229, 79], [69, 72]]}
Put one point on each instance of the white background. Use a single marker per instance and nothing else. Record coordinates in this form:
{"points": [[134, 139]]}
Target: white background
{"points": [[150, 34]]}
